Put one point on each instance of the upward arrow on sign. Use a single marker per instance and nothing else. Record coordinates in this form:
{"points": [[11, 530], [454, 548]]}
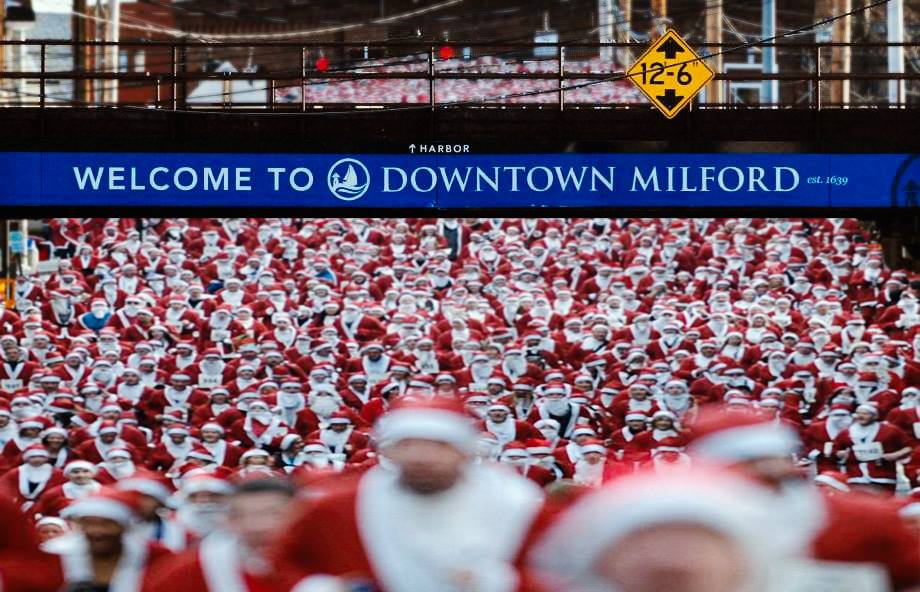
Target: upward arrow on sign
{"points": [[670, 49]]}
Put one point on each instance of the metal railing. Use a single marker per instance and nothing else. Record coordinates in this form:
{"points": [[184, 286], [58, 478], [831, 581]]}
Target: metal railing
{"points": [[341, 76]]}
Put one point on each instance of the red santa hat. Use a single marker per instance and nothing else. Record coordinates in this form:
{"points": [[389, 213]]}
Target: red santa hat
{"points": [[315, 446], [593, 446], [114, 453], [715, 501], [76, 465], [868, 408], [196, 482], [34, 450], [150, 486], [729, 437], [199, 452], [833, 479], [119, 506], [441, 420], [537, 446], [340, 418]]}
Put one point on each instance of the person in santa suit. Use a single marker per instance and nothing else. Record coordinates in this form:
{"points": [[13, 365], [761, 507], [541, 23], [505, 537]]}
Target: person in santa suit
{"points": [[106, 439], [818, 439], [461, 525], [80, 483], [260, 427], [516, 456], [236, 558], [854, 532], [704, 531], [8, 428], [177, 395], [638, 400], [172, 450], [589, 469], [224, 453], [556, 405], [665, 431], [102, 554], [373, 363], [98, 316], [155, 522], [109, 414], [15, 370], [499, 422], [23, 566], [30, 480], [201, 502], [118, 465], [871, 449], [340, 437], [623, 441], [907, 415], [28, 432]]}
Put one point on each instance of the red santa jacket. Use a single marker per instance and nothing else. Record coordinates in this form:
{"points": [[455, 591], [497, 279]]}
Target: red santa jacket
{"points": [[863, 464]]}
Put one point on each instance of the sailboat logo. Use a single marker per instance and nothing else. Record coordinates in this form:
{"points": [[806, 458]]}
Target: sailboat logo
{"points": [[348, 179]]}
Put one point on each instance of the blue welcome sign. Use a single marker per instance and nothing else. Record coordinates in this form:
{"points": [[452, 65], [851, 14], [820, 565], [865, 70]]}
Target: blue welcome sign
{"points": [[459, 180]]}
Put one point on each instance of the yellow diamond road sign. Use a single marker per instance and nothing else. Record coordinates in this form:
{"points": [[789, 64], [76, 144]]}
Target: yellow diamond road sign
{"points": [[670, 74]]}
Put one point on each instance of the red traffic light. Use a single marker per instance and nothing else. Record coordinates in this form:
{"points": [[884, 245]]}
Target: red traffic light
{"points": [[446, 52], [322, 64]]}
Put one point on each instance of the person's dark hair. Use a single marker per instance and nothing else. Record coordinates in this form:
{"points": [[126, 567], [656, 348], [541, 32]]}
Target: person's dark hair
{"points": [[280, 486]]}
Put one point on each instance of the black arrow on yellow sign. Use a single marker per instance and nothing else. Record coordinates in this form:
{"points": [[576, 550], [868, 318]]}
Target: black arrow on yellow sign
{"points": [[670, 99], [670, 49]]}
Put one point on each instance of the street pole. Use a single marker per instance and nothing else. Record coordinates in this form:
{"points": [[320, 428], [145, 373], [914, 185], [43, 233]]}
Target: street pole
{"points": [[840, 60], [714, 90], [605, 28], [770, 91], [660, 19], [896, 93]]}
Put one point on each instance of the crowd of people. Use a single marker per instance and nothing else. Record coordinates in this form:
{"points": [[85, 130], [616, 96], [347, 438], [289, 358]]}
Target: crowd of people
{"points": [[490, 90], [460, 405]]}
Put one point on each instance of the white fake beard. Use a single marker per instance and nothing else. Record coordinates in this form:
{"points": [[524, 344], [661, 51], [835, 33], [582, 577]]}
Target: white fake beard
{"points": [[556, 406], [202, 519], [120, 470], [324, 406]]}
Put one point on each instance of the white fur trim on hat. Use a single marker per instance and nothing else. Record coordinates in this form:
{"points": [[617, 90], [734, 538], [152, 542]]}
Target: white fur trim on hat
{"points": [[148, 487], [79, 464], [426, 424], [213, 426], [287, 440], [868, 409], [99, 507], [30, 452], [831, 482], [593, 448], [749, 442]]}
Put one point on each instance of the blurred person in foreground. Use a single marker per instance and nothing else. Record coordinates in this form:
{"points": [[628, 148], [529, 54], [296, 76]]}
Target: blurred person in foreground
{"points": [[23, 567], [853, 536], [235, 557], [425, 519], [705, 531], [102, 553]]}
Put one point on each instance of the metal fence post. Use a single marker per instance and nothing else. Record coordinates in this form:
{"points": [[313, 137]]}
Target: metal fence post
{"points": [[41, 81], [560, 56], [431, 86], [817, 78], [303, 79], [174, 68]]}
